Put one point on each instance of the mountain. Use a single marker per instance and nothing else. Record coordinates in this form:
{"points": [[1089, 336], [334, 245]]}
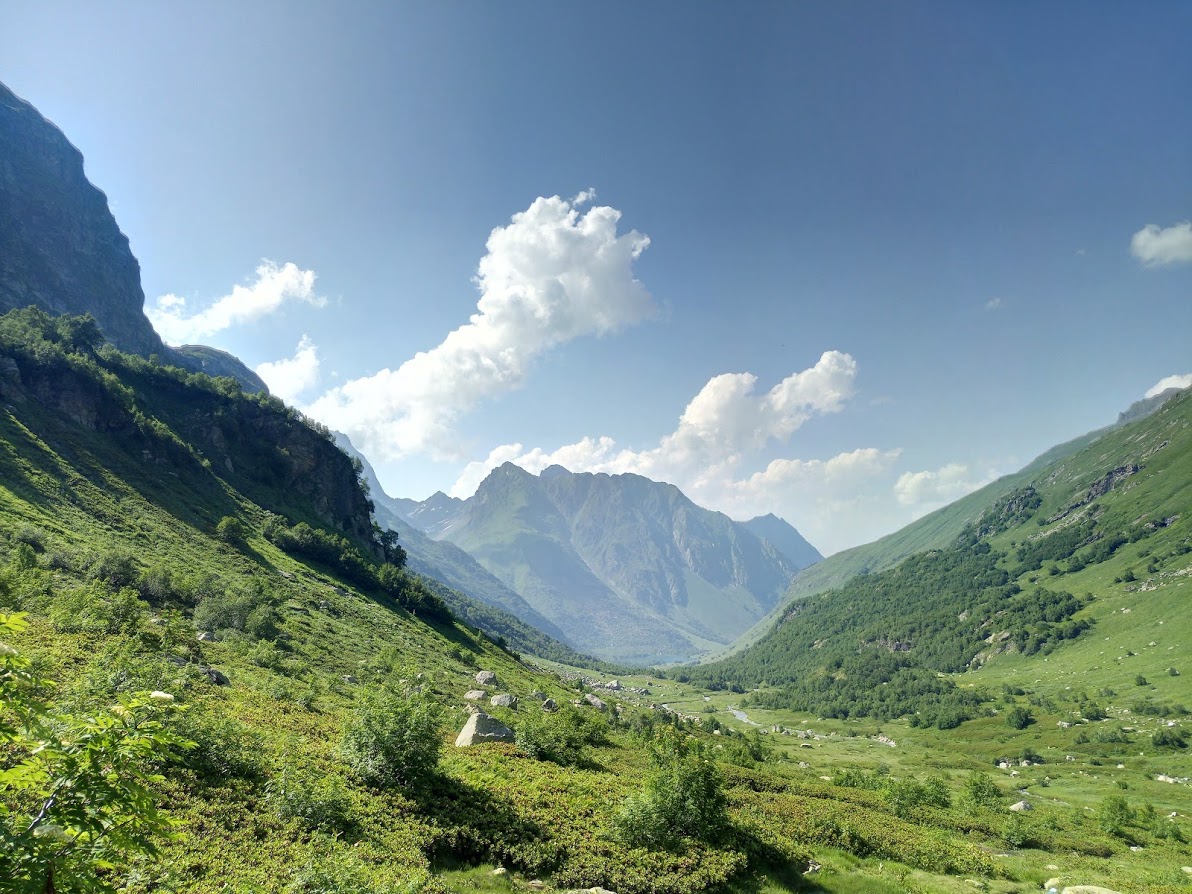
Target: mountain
{"points": [[510, 617], [627, 568], [784, 538], [1100, 532], [61, 249], [933, 531]]}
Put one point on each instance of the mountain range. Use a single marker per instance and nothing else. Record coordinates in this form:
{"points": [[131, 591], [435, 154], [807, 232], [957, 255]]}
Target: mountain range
{"points": [[625, 568]]}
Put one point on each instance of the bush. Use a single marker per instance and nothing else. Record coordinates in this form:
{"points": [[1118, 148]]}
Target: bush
{"points": [[392, 738], [1169, 738], [231, 530], [683, 797], [981, 791], [318, 802], [93, 609], [559, 737], [1020, 718]]}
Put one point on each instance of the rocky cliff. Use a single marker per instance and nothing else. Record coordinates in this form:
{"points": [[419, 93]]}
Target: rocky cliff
{"points": [[61, 249]]}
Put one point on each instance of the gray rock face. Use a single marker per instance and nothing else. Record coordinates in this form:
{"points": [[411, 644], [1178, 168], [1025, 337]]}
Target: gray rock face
{"points": [[474, 695], [1021, 807], [550, 705], [61, 249], [482, 728], [595, 702], [504, 701], [486, 678]]}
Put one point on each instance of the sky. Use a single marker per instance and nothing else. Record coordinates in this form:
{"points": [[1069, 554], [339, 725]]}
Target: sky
{"points": [[842, 262]]}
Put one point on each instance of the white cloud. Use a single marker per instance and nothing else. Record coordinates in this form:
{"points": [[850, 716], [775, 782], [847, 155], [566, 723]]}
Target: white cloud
{"points": [[583, 197], [927, 490], [273, 287], [551, 275], [1162, 385], [1170, 245], [994, 304], [290, 378]]}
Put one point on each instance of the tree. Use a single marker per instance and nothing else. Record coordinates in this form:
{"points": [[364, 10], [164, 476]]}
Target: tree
{"points": [[1020, 718], [76, 800]]}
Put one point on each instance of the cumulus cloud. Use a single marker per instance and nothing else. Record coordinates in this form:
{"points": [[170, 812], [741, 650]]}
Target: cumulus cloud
{"points": [[273, 287], [550, 276], [994, 304], [1162, 385], [1169, 245], [292, 377], [928, 490]]}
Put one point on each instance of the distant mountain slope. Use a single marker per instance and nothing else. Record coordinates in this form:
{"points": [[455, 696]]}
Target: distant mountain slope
{"points": [[61, 249], [629, 569], [1031, 574], [466, 587], [784, 538]]}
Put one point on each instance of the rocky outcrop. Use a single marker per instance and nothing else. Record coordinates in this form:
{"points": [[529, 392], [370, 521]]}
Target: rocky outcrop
{"points": [[61, 249], [482, 728]]}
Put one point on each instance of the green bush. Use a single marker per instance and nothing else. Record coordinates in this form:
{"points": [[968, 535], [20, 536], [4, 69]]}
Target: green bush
{"points": [[392, 738], [1019, 718], [231, 530], [318, 802], [560, 737], [682, 797], [981, 791], [93, 609]]}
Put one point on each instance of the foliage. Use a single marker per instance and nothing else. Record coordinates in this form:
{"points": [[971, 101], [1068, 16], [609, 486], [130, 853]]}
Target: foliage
{"points": [[560, 736], [76, 798], [392, 738], [682, 796], [1019, 718]]}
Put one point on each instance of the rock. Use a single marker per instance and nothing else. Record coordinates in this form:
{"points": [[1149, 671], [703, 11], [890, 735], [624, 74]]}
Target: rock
{"points": [[504, 701], [536, 884], [595, 702], [1021, 806], [482, 728], [550, 705], [348, 678], [500, 870], [486, 678], [205, 637], [218, 677], [474, 695], [613, 686], [1087, 889], [538, 696], [588, 891]]}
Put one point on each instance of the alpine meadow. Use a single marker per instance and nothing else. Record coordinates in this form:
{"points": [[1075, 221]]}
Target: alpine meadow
{"points": [[703, 553]]}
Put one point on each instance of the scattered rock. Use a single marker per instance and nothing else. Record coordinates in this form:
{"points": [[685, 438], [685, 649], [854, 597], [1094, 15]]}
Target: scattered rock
{"points": [[537, 884], [595, 702], [205, 637], [500, 870], [486, 678], [482, 728], [550, 705], [1087, 889], [538, 696], [474, 695], [218, 677], [1020, 806], [504, 701], [348, 678]]}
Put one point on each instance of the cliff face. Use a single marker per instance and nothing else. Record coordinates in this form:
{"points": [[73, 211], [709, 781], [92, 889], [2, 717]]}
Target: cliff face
{"points": [[61, 249]]}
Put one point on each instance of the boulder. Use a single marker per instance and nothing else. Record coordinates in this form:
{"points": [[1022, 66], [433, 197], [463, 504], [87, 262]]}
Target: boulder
{"points": [[474, 695], [486, 678], [218, 677], [1021, 806], [504, 701], [595, 702], [550, 705], [482, 728], [1087, 889]]}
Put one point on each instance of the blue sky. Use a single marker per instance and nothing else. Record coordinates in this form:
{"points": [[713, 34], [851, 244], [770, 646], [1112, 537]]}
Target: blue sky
{"points": [[919, 228]]}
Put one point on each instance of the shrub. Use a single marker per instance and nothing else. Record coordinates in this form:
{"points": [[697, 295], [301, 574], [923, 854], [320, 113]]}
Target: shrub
{"points": [[231, 530], [1169, 738], [392, 738], [559, 737], [981, 791], [318, 802], [1020, 718], [682, 797], [93, 609]]}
